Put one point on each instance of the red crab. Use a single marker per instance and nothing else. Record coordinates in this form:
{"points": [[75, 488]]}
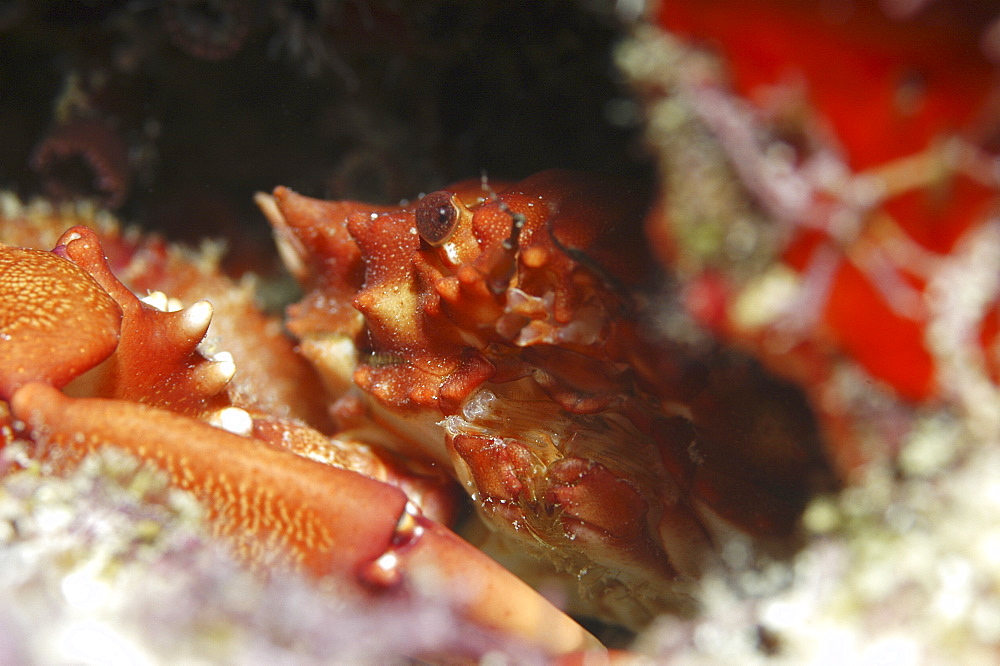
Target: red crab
{"points": [[497, 330]]}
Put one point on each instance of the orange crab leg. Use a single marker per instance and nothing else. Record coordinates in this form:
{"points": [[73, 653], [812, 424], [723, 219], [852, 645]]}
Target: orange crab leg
{"points": [[333, 522]]}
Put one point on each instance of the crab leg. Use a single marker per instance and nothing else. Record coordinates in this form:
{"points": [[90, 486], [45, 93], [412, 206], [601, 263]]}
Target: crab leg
{"points": [[331, 521]]}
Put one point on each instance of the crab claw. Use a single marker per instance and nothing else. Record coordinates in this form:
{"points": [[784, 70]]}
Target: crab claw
{"points": [[590, 505], [56, 321], [331, 522], [490, 595], [156, 360]]}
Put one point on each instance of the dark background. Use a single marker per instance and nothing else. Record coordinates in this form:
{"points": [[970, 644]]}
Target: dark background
{"points": [[213, 100]]}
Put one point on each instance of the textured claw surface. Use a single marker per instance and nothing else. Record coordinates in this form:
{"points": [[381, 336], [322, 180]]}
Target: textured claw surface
{"points": [[55, 321]]}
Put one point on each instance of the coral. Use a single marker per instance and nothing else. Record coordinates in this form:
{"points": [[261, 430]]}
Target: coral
{"points": [[895, 568], [789, 220], [84, 158], [208, 29], [848, 242]]}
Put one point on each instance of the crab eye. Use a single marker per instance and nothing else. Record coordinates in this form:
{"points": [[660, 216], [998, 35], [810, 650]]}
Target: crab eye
{"points": [[437, 217]]}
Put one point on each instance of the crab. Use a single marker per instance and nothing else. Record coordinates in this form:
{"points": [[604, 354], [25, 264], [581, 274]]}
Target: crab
{"points": [[496, 330], [492, 337]]}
